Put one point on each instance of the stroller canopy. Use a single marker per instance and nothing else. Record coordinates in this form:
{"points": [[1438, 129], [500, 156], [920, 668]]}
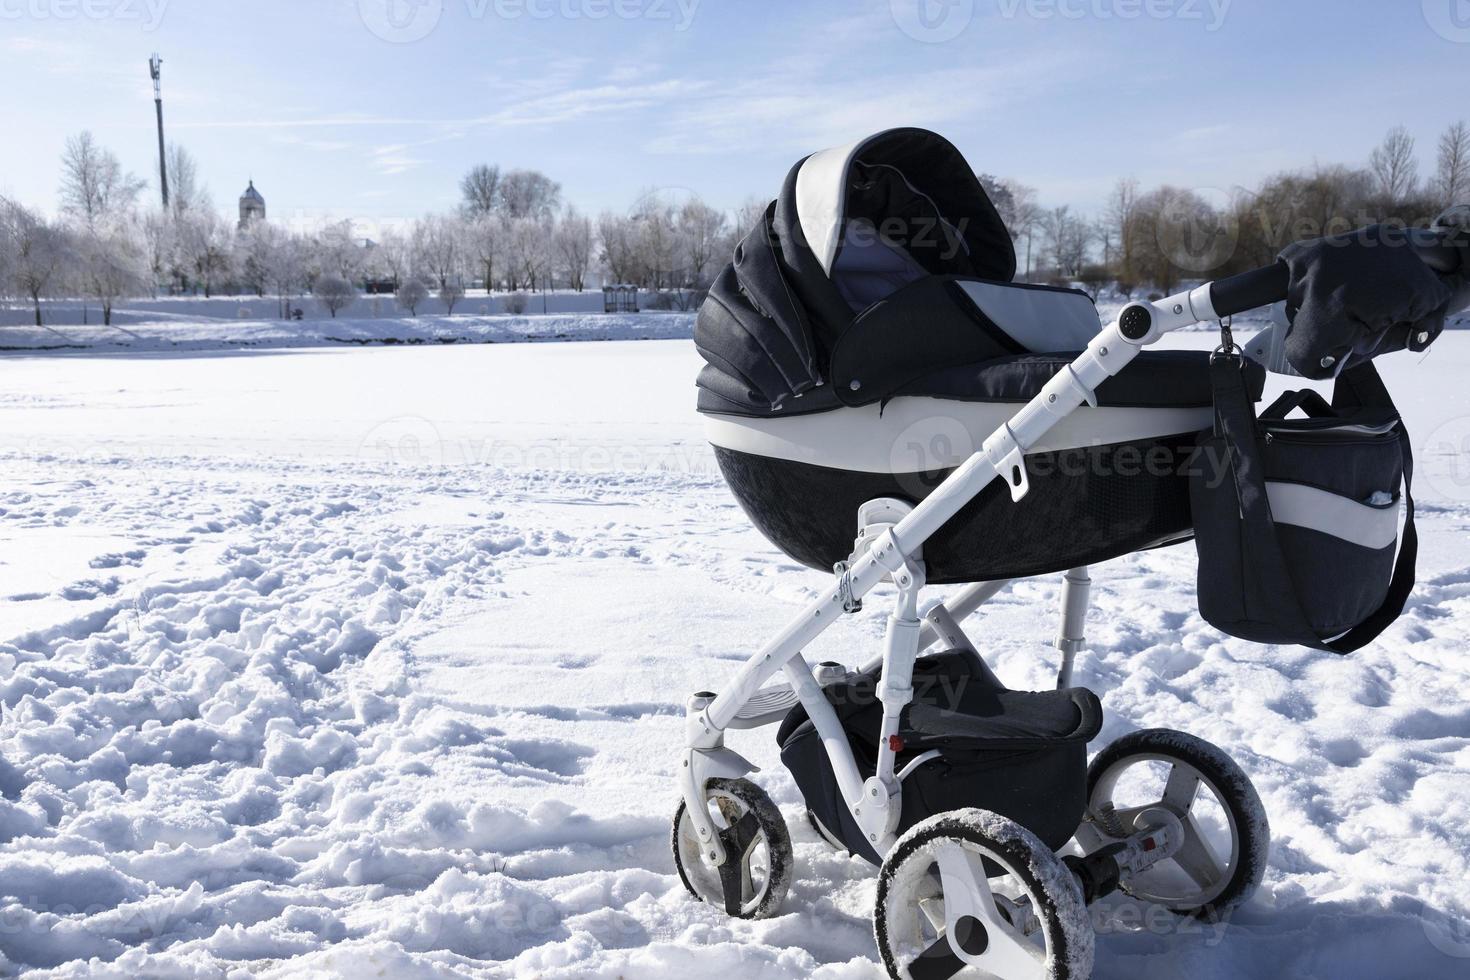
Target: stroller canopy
{"points": [[880, 262], [897, 206]]}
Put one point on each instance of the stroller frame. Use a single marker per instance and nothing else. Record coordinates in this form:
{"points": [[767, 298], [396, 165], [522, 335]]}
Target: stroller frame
{"points": [[889, 547]]}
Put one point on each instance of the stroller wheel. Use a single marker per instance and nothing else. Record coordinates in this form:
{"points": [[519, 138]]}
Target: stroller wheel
{"points": [[971, 893], [1226, 832], [752, 882]]}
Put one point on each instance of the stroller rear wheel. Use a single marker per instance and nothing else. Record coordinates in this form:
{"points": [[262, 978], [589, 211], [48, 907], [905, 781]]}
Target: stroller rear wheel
{"points": [[753, 881], [1226, 833], [970, 893]]}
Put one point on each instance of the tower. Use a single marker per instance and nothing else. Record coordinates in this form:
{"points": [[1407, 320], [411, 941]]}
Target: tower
{"points": [[155, 70], [252, 206]]}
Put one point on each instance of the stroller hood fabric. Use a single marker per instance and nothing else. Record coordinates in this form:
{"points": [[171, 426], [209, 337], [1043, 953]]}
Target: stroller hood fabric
{"points": [[853, 224]]}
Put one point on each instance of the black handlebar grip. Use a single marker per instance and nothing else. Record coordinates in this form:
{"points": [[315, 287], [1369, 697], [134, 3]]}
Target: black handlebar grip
{"points": [[1250, 290]]}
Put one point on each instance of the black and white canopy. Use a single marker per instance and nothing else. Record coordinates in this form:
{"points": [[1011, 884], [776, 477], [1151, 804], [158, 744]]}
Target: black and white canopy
{"points": [[880, 261]]}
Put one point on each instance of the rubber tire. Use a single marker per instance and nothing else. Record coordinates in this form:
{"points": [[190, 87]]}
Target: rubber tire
{"points": [[1239, 796], [1023, 852], [778, 845]]}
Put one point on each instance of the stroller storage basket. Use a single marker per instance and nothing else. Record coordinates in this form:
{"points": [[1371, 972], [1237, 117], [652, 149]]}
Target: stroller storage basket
{"points": [[1019, 754]]}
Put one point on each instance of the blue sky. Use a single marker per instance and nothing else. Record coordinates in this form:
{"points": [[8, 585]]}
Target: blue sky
{"points": [[614, 96]]}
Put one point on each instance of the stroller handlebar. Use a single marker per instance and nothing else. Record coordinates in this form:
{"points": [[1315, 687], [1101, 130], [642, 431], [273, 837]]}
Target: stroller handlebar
{"points": [[1446, 250]]}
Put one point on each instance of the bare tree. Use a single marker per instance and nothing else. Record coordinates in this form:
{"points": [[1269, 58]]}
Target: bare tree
{"points": [[450, 294], [206, 247], [573, 245], [438, 247], [528, 194], [701, 234], [1024, 219], [1395, 168], [412, 294], [338, 252], [1122, 215], [36, 253], [111, 263], [485, 239], [528, 251], [618, 236], [94, 187], [396, 255], [158, 245], [480, 190], [185, 193], [334, 293], [1454, 165]]}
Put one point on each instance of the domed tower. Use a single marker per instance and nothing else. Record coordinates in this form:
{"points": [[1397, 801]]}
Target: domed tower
{"points": [[252, 206]]}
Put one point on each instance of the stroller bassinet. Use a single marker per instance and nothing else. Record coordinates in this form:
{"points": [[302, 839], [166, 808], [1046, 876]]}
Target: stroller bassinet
{"points": [[868, 337]]}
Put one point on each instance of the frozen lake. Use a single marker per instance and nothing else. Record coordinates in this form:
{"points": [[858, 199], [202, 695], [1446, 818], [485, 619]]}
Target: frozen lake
{"points": [[370, 660]]}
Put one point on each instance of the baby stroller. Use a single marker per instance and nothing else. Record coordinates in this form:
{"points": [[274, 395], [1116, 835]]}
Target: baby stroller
{"points": [[887, 406]]}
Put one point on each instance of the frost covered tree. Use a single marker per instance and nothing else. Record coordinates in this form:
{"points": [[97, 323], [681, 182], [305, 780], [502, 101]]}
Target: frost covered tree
{"points": [[701, 235], [98, 198], [1453, 178], [617, 235], [205, 248], [395, 254], [485, 241], [156, 233], [334, 293], [185, 193], [338, 252], [573, 245], [412, 294], [527, 251], [36, 252], [438, 247], [1394, 167], [450, 294], [94, 187], [528, 194]]}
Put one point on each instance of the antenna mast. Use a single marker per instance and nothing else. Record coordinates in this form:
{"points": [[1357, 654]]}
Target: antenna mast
{"points": [[155, 70]]}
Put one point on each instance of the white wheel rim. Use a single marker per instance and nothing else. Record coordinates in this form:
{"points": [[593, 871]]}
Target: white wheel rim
{"points": [[704, 877], [916, 910], [1198, 859]]}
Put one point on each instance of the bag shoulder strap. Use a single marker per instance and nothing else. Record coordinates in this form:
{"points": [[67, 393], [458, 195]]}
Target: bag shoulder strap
{"points": [[1365, 388]]}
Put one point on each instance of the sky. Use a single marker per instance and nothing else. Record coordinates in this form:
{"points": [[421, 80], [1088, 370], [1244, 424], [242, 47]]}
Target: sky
{"points": [[373, 109]]}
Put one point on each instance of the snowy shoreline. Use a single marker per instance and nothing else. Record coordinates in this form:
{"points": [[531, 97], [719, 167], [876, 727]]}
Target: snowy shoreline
{"points": [[286, 334]]}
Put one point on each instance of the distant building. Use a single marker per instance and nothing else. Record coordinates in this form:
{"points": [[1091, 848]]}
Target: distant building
{"points": [[252, 206]]}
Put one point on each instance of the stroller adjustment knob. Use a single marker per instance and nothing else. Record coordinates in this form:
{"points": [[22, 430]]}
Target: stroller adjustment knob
{"points": [[1136, 322]]}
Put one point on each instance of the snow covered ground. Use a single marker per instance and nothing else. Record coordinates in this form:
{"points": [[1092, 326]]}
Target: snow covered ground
{"points": [[370, 662]]}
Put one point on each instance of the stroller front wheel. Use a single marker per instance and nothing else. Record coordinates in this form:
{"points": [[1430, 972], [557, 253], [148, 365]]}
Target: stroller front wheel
{"points": [[753, 881], [971, 893], [1226, 833]]}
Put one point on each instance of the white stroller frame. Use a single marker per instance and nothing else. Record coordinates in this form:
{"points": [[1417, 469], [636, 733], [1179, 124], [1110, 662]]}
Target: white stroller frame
{"points": [[889, 546]]}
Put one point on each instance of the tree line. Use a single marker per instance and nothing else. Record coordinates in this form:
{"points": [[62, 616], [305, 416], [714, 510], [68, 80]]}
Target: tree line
{"points": [[513, 232], [1157, 237]]}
